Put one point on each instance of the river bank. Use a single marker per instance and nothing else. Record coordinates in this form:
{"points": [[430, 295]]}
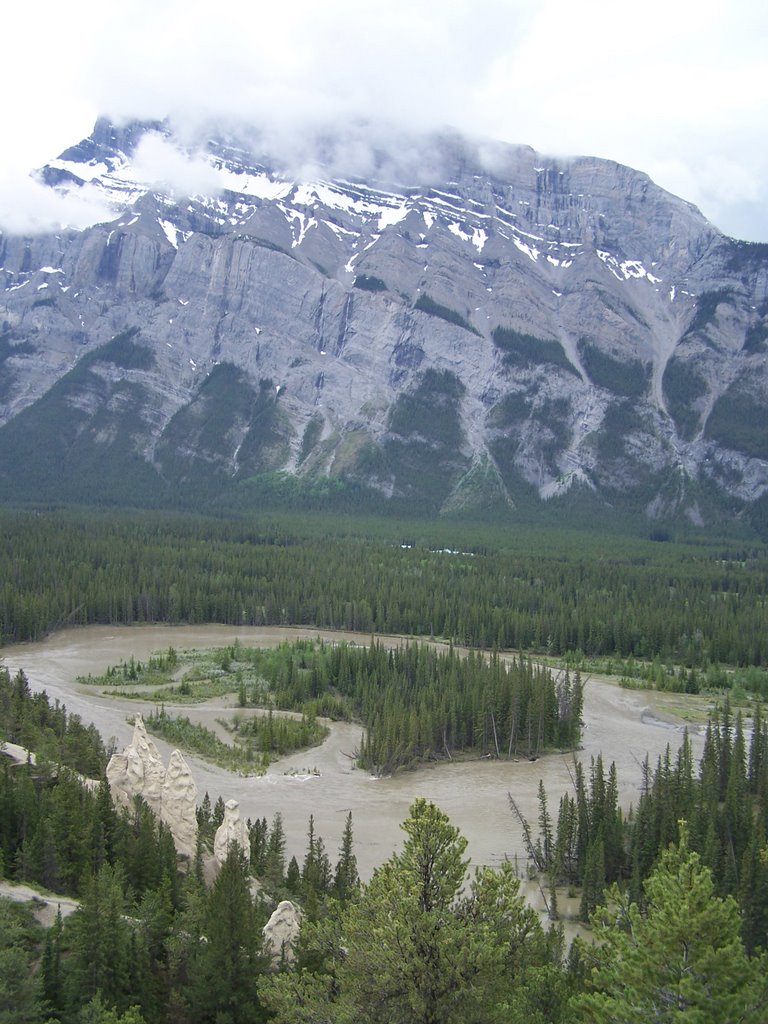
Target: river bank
{"points": [[623, 725]]}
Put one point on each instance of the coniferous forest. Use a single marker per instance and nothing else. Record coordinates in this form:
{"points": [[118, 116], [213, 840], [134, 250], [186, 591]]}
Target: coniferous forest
{"points": [[694, 601], [675, 891], [416, 703]]}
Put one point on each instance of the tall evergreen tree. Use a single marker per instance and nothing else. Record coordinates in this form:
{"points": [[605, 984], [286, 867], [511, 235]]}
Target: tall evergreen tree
{"points": [[98, 936], [679, 958], [346, 879], [412, 950], [224, 987]]}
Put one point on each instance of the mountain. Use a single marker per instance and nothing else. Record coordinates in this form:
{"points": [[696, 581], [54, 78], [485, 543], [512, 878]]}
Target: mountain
{"points": [[462, 326]]}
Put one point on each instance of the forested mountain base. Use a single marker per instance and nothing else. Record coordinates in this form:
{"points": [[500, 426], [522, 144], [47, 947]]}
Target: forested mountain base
{"points": [[693, 603]]}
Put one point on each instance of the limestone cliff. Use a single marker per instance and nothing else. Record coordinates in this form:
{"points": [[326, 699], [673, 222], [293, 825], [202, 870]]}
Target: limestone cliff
{"points": [[473, 326]]}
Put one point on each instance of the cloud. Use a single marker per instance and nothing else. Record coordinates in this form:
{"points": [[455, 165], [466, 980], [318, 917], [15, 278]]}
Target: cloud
{"points": [[157, 162], [656, 86], [28, 207]]}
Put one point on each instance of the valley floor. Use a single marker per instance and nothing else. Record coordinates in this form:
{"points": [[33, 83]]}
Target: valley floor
{"points": [[622, 725]]}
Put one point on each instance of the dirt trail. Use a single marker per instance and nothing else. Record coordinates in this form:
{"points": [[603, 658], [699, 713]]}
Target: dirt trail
{"points": [[46, 905], [619, 723]]}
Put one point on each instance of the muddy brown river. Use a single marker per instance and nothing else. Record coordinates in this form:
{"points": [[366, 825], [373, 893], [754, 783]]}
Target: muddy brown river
{"points": [[620, 724]]}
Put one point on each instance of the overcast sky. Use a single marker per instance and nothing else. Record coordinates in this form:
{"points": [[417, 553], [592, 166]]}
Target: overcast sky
{"points": [[677, 89]]}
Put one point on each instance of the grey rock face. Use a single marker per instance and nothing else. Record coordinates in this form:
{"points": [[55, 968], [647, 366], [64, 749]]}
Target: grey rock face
{"points": [[179, 804], [519, 325], [138, 771]]}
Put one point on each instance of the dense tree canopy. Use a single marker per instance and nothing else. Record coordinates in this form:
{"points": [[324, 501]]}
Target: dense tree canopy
{"points": [[415, 948], [676, 957], [525, 589]]}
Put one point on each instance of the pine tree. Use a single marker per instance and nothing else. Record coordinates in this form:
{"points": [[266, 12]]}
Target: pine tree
{"points": [[545, 851], [593, 881], [51, 971], [224, 986], [680, 958], [346, 879], [98, 935], [293, 877], [274, 858], [411, 949], [20, 985]]}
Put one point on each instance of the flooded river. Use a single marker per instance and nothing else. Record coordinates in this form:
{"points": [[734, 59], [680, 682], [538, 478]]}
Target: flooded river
{"points": [[621, 724]]}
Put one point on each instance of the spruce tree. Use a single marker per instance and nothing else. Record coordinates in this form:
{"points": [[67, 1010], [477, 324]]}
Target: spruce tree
{"points": [[227, 970], [346, 880], [678, 959]]}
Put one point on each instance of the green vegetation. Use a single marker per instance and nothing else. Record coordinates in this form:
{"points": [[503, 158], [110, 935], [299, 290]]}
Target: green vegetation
{"points": [[553, 414], [672, 677], [276, 734], [203, 429], [526, 589], [511, 409], [416, 703], [370, 283], [257, 740], [197, 739], [21, 995], [417, 947], [758, 517], [680, 930], [30, 720], [621, 418], [424, 457], [430, 410], [432, 308], [682, 388], [756, 337], [46, 449], [310, 437], [593, 844], [706, 309], [739, 422], [623, 377], [673, 955], [524, 349]]}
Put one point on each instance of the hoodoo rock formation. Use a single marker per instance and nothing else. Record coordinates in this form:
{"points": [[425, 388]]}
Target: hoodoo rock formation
{"points": [[171, 793], [232, 830], [281, 932]]}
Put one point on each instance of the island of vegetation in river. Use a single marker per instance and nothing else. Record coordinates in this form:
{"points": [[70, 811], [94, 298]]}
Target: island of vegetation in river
{"points": [[697, 601], [417, 702], [676, 890]]}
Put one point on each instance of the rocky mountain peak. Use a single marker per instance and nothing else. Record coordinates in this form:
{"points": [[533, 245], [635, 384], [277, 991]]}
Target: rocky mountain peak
{"points": [[451, 322]]}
